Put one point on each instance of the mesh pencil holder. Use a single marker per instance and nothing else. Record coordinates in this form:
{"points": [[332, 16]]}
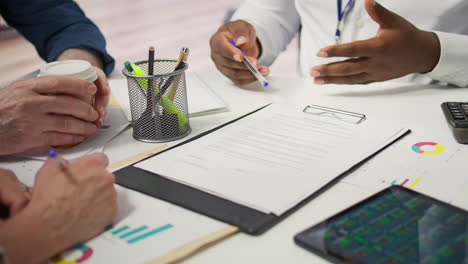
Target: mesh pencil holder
{"points": [[158, 102]]}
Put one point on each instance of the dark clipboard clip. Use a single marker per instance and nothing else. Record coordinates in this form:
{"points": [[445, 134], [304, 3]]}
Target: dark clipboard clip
{"points": [[342, 115]]}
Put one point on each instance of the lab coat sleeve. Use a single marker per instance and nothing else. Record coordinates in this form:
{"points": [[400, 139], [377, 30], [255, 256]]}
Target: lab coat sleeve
{"points": [[452, 67], [276, 22]]}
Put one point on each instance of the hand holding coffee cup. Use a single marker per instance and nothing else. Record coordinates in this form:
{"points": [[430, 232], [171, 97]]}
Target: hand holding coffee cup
{"points": [[73, 68], [46, 111], [82, 70]]}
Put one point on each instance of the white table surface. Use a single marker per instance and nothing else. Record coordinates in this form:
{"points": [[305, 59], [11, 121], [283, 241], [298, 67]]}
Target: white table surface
{"points": [[409, 104]]}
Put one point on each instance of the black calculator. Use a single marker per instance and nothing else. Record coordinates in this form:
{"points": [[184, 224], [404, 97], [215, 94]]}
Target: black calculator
{"points": [[457, 117]]}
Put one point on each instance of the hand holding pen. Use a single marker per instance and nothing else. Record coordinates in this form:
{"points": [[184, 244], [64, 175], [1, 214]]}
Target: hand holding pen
{"points": [[250, 65], [62, 164], [63, 213], [230, 60]]}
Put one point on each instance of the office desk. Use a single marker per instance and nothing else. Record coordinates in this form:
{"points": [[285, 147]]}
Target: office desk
{"points": [[411, 105]]}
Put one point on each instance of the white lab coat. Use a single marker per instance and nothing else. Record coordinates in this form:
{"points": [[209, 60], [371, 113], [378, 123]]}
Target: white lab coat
{"points": [[277, 22]]}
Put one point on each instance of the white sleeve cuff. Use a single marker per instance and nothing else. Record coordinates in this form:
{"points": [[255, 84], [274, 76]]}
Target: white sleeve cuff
{"points": [[453, 63]]}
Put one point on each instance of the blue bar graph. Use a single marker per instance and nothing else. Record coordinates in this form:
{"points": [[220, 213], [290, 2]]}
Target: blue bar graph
{"points": [[150, 233], [123, 228], [134, 231]]}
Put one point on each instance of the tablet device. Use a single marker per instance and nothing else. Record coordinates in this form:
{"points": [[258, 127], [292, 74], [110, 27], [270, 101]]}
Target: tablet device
{"points": [[396, 225]]}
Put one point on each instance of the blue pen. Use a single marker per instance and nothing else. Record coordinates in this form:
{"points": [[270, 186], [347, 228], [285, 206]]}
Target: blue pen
{"points": [[53, 155], [250, 65]]}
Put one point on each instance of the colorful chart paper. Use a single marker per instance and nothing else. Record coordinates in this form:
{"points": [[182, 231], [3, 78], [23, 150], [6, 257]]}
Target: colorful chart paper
{"points": [[418, 148], [86, 253]]}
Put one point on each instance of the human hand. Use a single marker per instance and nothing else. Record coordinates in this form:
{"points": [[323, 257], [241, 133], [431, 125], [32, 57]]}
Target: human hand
{"points": [[13, 194], [45, 111], [228, 59], [102, 96], [70, 203], [398, 49], [74, 202]]}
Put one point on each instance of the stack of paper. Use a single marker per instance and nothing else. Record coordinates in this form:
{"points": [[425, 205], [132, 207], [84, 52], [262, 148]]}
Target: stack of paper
{"points": [[201, 99], [273, 159]]}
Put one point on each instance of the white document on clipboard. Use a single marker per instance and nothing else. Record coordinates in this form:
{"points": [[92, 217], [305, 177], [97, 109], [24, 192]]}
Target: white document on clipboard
{"points": [[274, 158]]}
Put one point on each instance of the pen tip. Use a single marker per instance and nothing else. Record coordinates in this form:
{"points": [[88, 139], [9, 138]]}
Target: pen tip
{"points": [[52, 153]]}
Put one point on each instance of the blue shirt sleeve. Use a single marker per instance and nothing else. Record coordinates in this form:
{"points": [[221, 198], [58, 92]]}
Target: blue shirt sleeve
{"points": [[54, 26]]}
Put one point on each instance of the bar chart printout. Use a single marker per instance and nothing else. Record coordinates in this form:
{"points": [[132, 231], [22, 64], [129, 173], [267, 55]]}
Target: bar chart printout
{"points": [[118, 235], [426, 163], [134, 235], [146, 230]]}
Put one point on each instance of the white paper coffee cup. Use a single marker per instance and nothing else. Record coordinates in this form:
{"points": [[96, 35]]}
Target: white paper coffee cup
{"points": [[73, 68]]}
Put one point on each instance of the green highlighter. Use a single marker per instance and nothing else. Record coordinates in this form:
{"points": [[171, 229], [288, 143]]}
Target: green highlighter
{"points": [[165, 102]]}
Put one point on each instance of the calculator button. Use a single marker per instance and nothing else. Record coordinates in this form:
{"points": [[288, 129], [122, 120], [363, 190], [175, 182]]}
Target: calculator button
{"points": [[452, 104]]}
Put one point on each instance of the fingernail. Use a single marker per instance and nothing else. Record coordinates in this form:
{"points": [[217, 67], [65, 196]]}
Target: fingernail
{"points": [[92, 89], [241, 40], [237, 58], [322, 54], [264, 72], [314, 73], [319, 81]]}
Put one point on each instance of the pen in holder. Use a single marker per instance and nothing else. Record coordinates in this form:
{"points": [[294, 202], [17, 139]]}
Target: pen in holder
{"points": [[165, 119]]}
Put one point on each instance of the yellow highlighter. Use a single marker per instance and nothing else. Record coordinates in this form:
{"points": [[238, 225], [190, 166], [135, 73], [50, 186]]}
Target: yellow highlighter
{"points": [[134, 69], [165, 102]]}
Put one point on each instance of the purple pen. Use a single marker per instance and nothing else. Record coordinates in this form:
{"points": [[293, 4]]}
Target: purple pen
{"points": [[250, 65]]}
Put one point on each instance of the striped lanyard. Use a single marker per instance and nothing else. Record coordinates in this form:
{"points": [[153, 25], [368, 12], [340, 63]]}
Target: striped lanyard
{"points": [[341, 14]]}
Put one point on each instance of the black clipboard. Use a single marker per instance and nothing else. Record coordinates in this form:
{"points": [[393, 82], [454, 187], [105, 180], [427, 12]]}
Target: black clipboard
{"points": [[248, 220]]}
